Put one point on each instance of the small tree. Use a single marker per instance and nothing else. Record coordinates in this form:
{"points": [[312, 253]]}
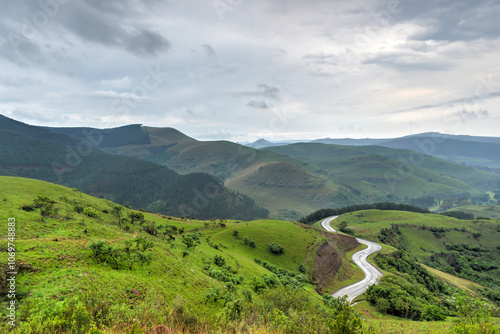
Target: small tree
{"points": [[219, 260], [275, 248], [46, 206], [135, 216], [90, 212], [188, 241], [116, 211], [433, 313]]}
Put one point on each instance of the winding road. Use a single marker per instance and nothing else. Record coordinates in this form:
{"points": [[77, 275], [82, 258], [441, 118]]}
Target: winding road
{"points": [[360, 258]]}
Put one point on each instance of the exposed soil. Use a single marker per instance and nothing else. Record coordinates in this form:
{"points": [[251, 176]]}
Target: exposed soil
{"points": [[328, 258]]}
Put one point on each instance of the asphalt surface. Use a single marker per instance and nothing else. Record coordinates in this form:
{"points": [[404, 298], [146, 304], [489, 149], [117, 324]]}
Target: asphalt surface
{"points": [[360, 258]]}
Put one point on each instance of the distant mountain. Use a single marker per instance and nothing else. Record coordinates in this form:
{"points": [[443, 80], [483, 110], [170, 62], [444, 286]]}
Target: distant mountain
{"points": [[482, 152], [262, 143], [389, 171], [349, 141], [469, 150], [38, 153]]}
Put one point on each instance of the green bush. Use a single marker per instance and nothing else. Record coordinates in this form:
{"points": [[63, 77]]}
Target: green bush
{"points": [[91, 212], [249, 242], [78, 208], [432, 313], [219, 260], [275, 248]]}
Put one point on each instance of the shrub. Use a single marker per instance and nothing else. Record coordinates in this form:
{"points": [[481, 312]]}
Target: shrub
{"points": [[258, 284], [91, 212], [433, 313], [46, 206], [151, 228], [275, 248], [136, 216], [219, 260], [78, 208], [188, 241], [249, 242]]}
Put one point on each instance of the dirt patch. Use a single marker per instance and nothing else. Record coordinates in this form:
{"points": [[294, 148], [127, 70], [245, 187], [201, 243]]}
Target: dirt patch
{"points": [[328, 258]]}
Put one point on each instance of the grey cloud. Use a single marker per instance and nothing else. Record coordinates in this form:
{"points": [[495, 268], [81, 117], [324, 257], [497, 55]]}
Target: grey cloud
{"points": [[267, 91], [147, 43], [270, 91], [209, 50], [103, 28], [466, 115], [405, 62], [20, 50], [463, 100], [258, 104], [451, 20]]}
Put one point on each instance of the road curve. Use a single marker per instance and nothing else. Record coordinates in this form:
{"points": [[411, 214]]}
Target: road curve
{"points": [[360, 258]]}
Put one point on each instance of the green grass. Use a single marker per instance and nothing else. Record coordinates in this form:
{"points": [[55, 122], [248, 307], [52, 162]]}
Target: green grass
{"points": [[289, 191], [56, 250], [60, 271]]}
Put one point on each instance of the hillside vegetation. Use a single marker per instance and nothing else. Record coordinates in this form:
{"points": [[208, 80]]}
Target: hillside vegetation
{"points": [[88, 265], [463, 248]]}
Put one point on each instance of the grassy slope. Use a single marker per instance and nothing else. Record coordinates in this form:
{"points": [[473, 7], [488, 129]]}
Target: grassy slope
{"points": [[288, 190], [58, 249]]}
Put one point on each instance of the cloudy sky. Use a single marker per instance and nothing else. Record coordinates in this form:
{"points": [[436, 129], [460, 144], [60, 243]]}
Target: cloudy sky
{"points": [[241, 70]]}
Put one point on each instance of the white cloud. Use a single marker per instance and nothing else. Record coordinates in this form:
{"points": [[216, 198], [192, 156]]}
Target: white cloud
{"points": [[119, 84], [333, 65]]}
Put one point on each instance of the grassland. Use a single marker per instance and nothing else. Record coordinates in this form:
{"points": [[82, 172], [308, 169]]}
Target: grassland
{"points": [[58, 272], [59, 277]]}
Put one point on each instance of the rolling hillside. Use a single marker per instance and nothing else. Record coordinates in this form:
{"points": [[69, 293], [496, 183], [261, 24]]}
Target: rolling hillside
{"points": [[348, 174], [288, 190], [35, 152], [81, 266], [171, 148]]}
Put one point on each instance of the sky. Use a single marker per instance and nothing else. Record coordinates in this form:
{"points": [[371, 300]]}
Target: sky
{"points": [[241, 70]]}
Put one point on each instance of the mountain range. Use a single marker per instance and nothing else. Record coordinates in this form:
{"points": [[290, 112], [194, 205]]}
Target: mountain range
{"points": [[166, 171], [469, 150]]}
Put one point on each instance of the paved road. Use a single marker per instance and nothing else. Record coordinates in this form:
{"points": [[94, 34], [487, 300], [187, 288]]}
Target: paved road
{"points": [[360, 258]]}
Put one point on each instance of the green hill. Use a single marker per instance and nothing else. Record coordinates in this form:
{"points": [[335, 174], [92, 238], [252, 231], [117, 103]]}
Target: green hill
{"points": [[37, 153], [348, 174], [169, 147], [85, 262], [289, 190]]}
